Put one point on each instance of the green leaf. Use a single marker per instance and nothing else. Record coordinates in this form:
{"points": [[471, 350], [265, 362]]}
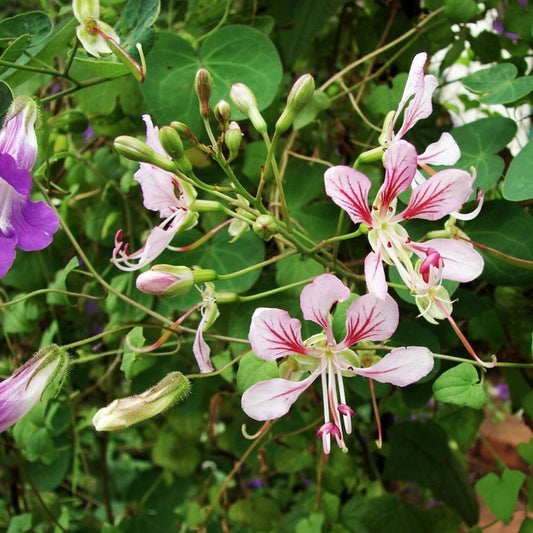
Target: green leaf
{"points": [[501, 495], [462, 425], [461, 10], [490, 79], [525, 450], [319, 102], [133, 363], [527, 525], [252, 370], [20, 317], [460, 386], [6, 97], [510, 92], [518, 184], [60, 284], [16, 48], [226, 54], [35, 23], [20, 523], [479, 141], [419, 452], [507, 228], [136, 24], [296, 268], [312, 524], [259, 513]]}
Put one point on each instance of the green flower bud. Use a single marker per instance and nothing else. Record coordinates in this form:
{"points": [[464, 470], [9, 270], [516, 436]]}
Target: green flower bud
{"points": [[203, 83], [245, 101], [184, 132], [136, 150], [173, 146], [222, 114], [265, 226], [122, 413], [299, 96], [233, 138]]}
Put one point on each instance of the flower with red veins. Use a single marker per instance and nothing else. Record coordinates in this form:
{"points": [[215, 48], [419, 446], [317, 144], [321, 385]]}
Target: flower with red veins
{"points": [[162, 192], [443, 193], [416, 105], [274, 335]]}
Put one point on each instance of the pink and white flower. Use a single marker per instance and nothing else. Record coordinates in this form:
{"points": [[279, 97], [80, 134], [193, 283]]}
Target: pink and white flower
{"points": [[162, 192], [440, 195], [274, 334]]}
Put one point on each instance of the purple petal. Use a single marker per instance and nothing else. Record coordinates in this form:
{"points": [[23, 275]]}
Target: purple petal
{"points": [[35, 224], [14, 176], [273, 398], [7, 252], [400, 169], [460, 261], [318, 299], [370, 318], [400, 367], [348, 188], [375, 275], [273, 334], [442, 193]]}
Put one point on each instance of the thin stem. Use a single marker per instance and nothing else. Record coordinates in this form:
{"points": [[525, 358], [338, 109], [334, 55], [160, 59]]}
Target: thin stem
{"points": [[274, 259], [53, 291], [260, 295]]}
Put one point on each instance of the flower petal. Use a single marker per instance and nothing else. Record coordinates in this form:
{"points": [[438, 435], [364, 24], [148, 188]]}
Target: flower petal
{"points": [[370, 318], [400, 169], [35, 224], [273, 334], [319, 297], [442, 193], [348, 188], [375, 275], [273, 398], [415, 78], [201, 350], [401, 367], [460, 261], [443, 152]]}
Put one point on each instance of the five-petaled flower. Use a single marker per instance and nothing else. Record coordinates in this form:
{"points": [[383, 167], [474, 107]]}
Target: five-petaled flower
{"points": [[24, 388], [24, 224], [161, 192], [441, 194], [274, 334]]}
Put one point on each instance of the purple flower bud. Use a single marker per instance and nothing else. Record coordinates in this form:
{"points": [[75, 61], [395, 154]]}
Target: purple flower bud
{"points": [[24, 388]]}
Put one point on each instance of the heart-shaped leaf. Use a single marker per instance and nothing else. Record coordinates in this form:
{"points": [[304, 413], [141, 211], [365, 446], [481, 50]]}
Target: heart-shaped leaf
{"points": [[518, 184], [460, 386]]}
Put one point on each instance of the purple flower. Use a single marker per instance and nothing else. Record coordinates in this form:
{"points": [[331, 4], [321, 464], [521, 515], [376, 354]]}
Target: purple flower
{"points": [[24, 224], [24, 388]]}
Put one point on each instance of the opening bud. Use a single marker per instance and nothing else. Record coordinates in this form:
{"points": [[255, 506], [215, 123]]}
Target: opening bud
{"points": [[203, 83], [233, 138], [265, 226], [184, 132], [124, 412], [173, 146], [299, 96], [222, 114], [167, 281], [136, 150], [245, 101], [24, 388]]}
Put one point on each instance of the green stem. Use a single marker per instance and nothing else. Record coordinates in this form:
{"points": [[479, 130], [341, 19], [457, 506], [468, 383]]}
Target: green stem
{"points": [[259, 295], [46, 291], [274, 259]]}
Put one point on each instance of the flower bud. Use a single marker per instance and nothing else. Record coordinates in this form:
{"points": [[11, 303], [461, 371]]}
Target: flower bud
{"points": [[184, 132], [124, 412], [24, 388], [299, 96], [167, 281], [245, 101], [222, 114], [136, 150], [233, 138], [173, 146], [265, 226], [203, 83]]}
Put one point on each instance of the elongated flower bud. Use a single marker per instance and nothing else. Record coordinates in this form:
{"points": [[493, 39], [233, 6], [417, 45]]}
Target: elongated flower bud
{"points": [[173, 146], [299, 96], [184, 132], [222, 114], [233, 138], [246, 103], [167, 281], [24, 388], [136, 150], [124, 412], [203, 83]]}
